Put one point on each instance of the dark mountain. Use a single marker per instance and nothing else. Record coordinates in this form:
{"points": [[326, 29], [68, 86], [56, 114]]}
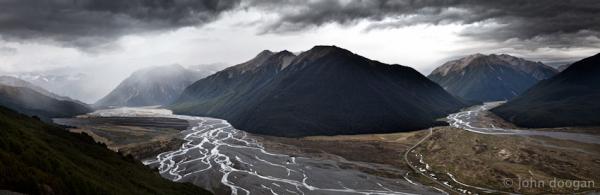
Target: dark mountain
{"points": [[151, 86], [33, 103], [567, 99], [490, 77], [324, 91], [37, 158]]}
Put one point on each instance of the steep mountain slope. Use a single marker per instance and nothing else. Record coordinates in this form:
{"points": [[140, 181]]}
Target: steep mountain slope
{"points": [[226, 91], [567, 99], [33, 103], [36, 158], [151, 86], [490, 77], [324, 91]]}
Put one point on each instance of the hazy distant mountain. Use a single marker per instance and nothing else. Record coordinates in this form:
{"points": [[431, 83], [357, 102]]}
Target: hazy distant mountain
{"points": [[207, 69], [563, 67], [324, 91], [62, 83], [33, 103], [151, 86], [16, 82], [490, 77], [32, 100], [570, 98]]}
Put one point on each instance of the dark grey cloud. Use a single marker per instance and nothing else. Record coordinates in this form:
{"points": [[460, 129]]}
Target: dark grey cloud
{"points": [[555, 23], [88, 23], [93, 23]]}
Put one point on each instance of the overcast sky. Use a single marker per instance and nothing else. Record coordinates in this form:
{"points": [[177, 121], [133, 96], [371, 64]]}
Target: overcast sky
{"points": [[111, 38]]}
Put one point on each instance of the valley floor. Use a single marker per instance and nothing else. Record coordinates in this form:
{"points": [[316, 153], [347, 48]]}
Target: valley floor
{"points": [[479, 153], [461, 161]]}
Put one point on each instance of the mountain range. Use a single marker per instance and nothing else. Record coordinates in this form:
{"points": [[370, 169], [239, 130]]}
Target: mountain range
{"points": [[151, 86], [492, 77], [567, 99], [324, 91], [32, 100]]}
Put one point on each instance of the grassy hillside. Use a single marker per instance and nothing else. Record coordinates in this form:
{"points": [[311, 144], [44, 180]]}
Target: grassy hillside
{"points": [[36, 158]]}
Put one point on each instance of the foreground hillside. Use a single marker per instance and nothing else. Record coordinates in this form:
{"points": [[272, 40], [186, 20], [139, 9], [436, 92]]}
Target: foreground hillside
{"points": [[492, 77], [36, 158], [324, 91], [571, 98]]}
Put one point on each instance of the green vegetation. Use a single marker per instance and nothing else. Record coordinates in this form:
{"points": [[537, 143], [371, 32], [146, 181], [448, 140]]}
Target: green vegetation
{"points": [[37, 158]]}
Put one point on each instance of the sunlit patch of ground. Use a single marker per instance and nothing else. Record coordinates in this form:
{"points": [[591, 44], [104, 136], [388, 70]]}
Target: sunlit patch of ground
{"points": [[474, 159], [501, 161]]}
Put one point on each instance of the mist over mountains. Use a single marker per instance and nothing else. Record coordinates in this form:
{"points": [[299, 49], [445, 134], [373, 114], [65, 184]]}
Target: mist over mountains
{"points": [[16, 82], [32, 100], [151, 86]]}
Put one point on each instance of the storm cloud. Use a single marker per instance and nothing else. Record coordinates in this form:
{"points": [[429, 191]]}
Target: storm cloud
{"points": [[552, 23], [88, 23], [518, 23]]}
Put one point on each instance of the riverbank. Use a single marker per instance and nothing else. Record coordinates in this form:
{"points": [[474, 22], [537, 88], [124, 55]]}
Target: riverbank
{"points": [[216, 156], [139, 137]]}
